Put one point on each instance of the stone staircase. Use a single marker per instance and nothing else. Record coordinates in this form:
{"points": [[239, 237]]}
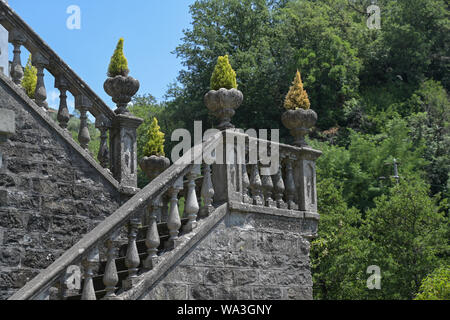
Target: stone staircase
{"points": [[235, 210]]}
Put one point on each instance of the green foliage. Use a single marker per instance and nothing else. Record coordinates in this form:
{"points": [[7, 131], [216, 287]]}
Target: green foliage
{"points": [[118, 65], [29, 80], [297, 97], [337, 255], [223, 76], [407, 229], [155, 143], [360, 165], [436, 286]]}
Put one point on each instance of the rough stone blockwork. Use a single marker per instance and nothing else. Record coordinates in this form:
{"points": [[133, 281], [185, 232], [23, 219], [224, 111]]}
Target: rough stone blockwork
{"points": [[50, 196], [246, 257]]}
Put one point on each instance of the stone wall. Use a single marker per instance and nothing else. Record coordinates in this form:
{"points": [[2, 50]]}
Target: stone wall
{"points": [[245, 257], [50, 196]]}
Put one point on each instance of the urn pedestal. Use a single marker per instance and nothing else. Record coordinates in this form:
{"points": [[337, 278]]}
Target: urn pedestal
{"points": [[153, 166], [223, 104], [299, 122]]}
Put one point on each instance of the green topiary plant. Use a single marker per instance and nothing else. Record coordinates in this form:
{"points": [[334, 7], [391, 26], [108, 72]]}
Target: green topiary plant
{"points": [[297, 97], [29, 80], [119, 64], [155, 144], [223, 76], [436, 286]]}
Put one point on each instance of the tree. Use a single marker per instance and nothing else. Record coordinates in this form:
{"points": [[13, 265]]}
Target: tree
{"points": [[430, 126], [408, 237], [436, 286], [338, 254], [29, 80], [118, 65]]}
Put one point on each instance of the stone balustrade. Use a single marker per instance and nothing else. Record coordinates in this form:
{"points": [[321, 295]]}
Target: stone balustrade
{"points": [[288, 182], [111, 126]]}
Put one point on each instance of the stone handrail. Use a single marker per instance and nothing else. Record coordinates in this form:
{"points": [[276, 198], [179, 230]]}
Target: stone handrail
{"points": [[87, 248]]}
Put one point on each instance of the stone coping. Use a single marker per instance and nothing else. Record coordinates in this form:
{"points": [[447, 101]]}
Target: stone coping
{"points": [[248, 208]]}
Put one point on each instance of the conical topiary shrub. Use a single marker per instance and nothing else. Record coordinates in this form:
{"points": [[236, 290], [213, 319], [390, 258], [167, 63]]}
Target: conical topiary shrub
{"points": [[29, 80], [154, 161], [298, 118], [118, 65], [155, 144], [119, 85], [224, 97], [223, 76], [297, 97]]}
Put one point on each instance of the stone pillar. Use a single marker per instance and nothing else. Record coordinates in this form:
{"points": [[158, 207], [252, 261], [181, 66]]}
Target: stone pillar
{"points": [[123, 139], [227, 177], [305, 179]]}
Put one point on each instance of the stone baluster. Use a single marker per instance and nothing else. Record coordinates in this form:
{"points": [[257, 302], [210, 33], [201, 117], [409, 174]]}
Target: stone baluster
{"points": [[279, 189], [290, 185], [111, 277], [245, 185], [174, 221], [267, 185], [132, 259], [152, 240], [89, 263], [256, 186], [103, 124], [191, 206], [17, 39], [62, 85], [207, 192], [40, 95], [83, 104]]}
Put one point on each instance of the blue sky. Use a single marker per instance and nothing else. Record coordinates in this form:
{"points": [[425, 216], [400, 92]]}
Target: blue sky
{"points": [[151, 28]]}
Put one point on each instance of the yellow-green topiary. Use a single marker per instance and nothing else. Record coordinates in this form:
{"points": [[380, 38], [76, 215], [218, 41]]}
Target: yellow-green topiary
{"points": [[155, 144], [118, 65], [223, 76], [29, 80], [297, 97]]}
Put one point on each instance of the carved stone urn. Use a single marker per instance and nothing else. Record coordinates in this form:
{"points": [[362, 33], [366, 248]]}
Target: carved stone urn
{"points": [[153, 166], [299, 122], [121, 89], [223, 104]]}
